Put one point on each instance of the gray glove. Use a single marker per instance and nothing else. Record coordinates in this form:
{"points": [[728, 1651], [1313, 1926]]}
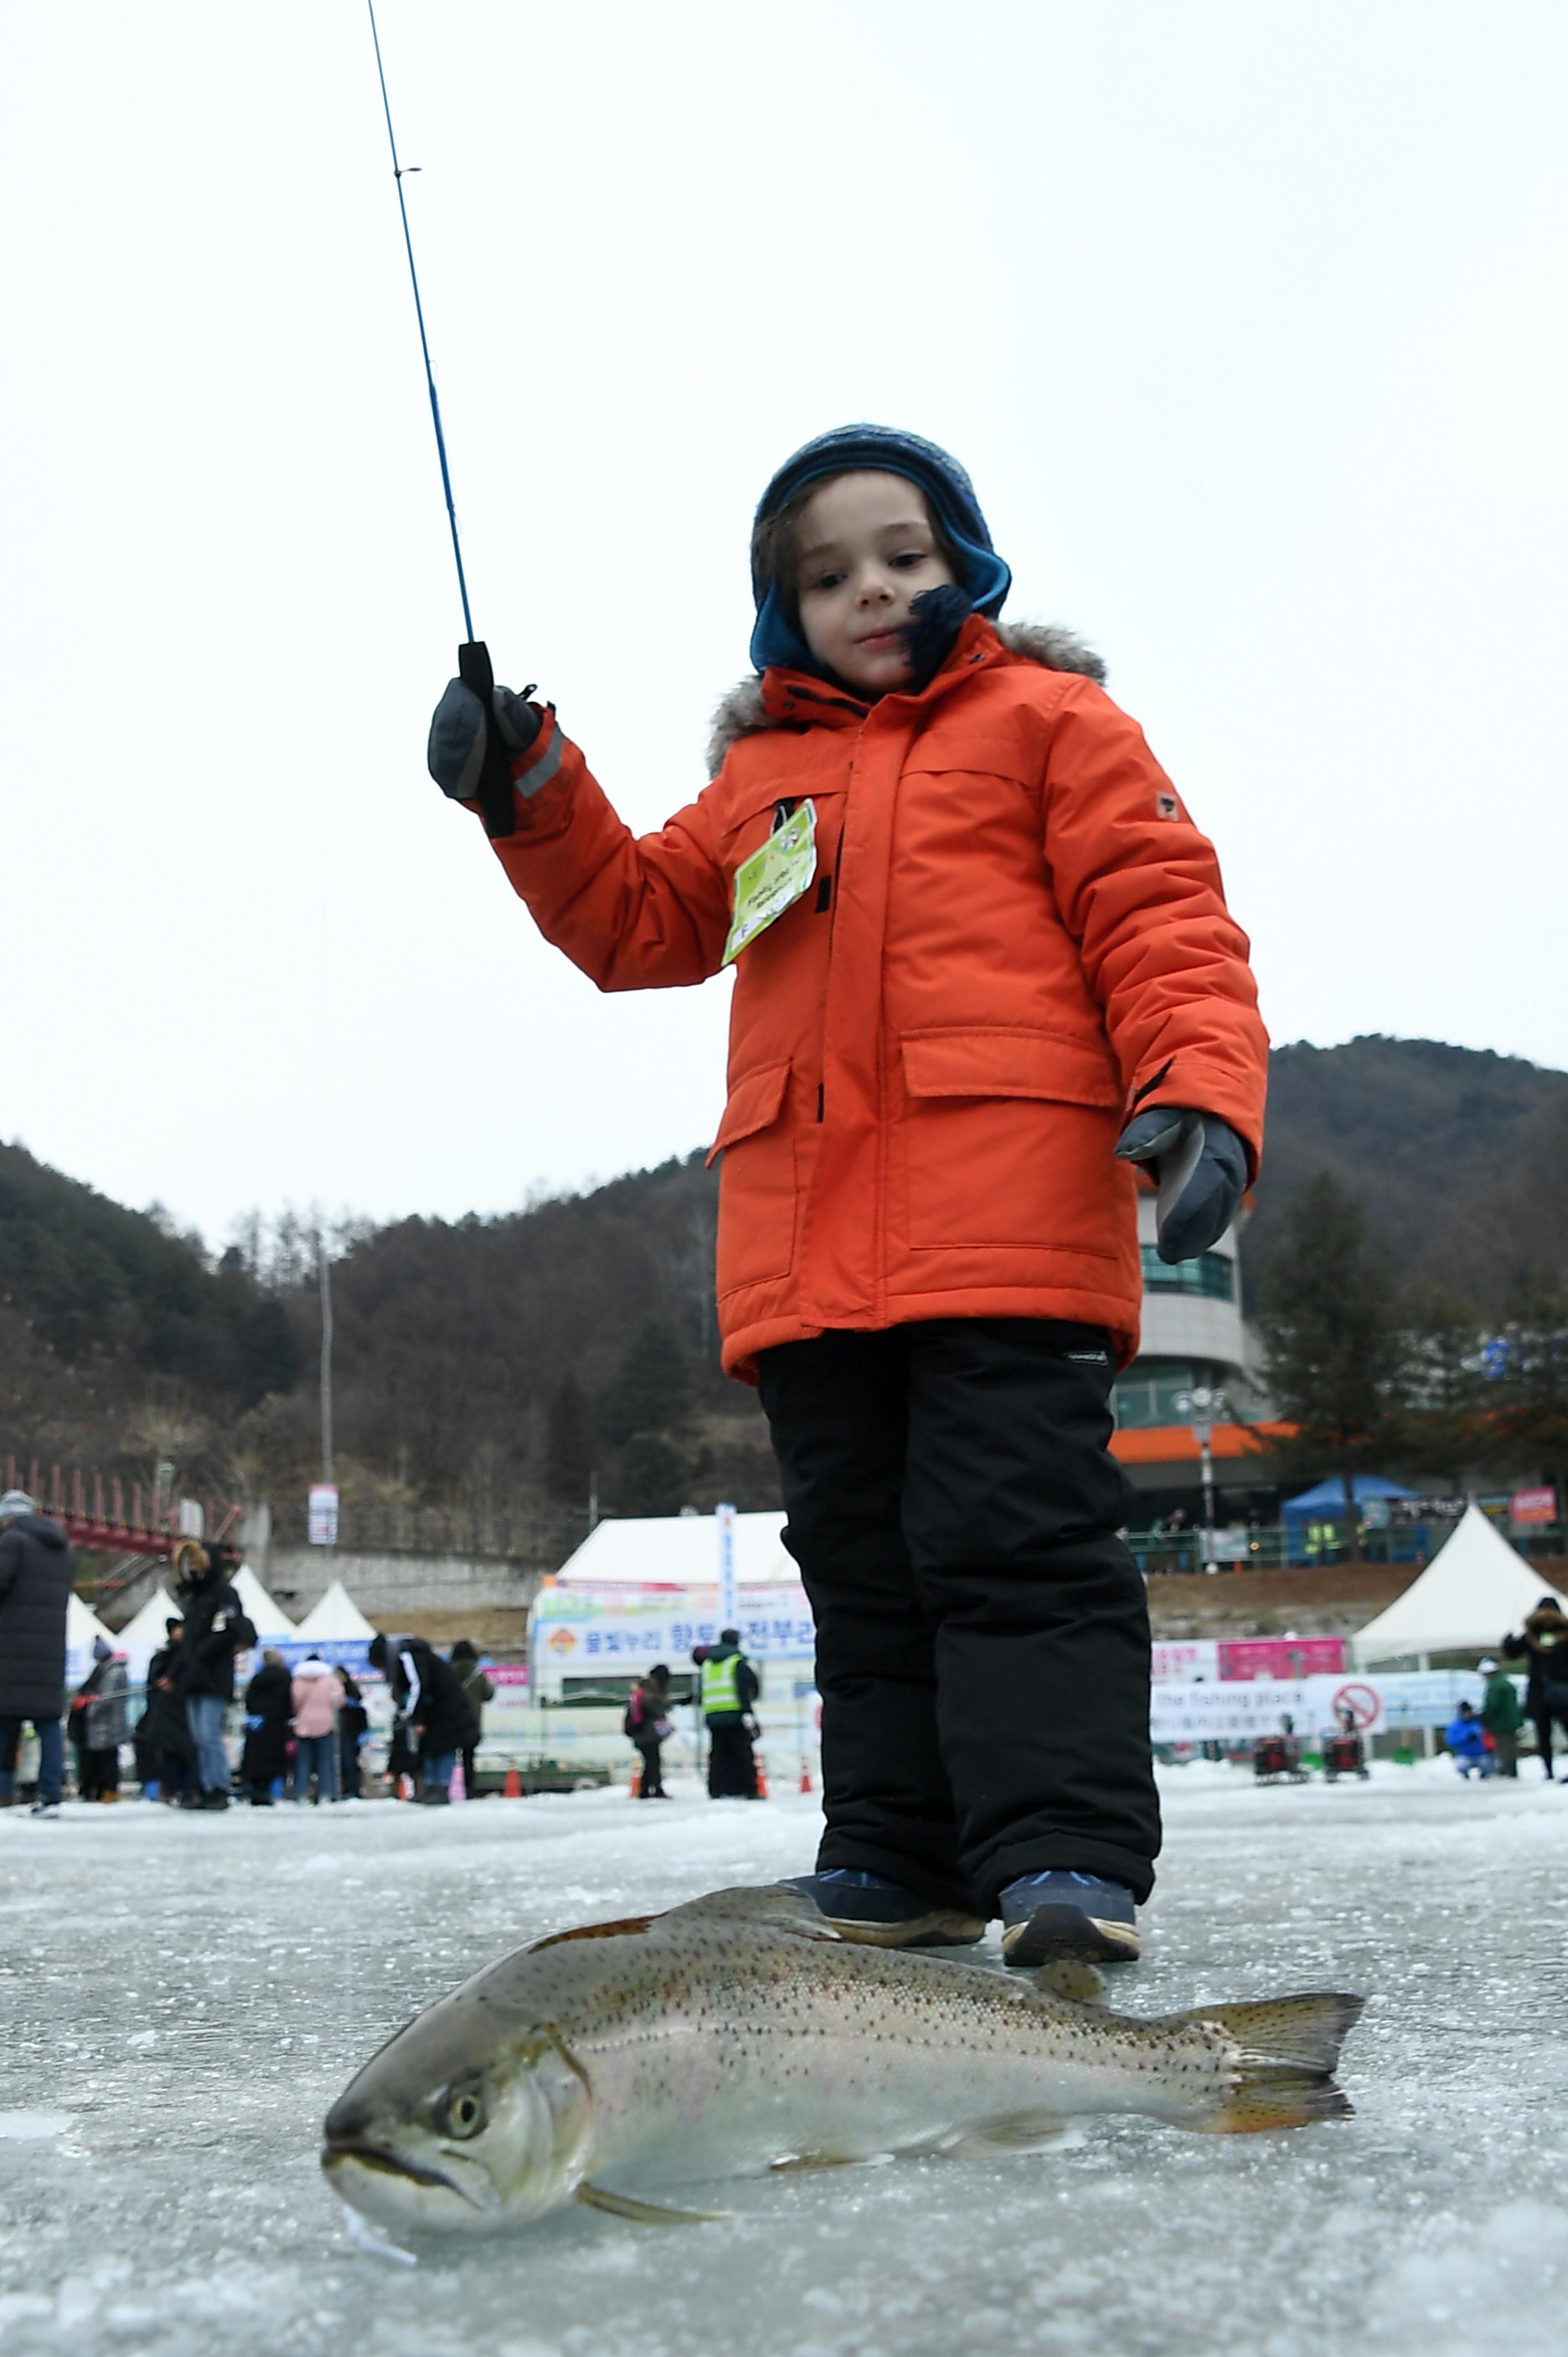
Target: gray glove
{"points": [[455, 754], [1201, 1167]]}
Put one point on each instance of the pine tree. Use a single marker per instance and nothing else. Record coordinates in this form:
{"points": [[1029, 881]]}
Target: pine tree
{"points": [[649, 1475], [569, 1444], [653, 1391], [1330, 1315]]}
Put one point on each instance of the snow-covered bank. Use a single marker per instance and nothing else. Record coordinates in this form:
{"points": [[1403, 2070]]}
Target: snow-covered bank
{"points": [[181, 1998]]}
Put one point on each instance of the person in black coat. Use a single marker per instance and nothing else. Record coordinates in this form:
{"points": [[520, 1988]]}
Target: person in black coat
{"points": [[269, 1707], [353, 1726], [38, 1572], [430, 1694], [1542, 1646], [479, 1690], [215, 1630], [162, 1736]]}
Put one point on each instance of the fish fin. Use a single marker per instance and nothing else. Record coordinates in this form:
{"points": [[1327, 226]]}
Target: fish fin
{"points": [[1289, 2046], [770, 1906], [642, 2213], [824, 2159], [624, 1924], [1022, 2132], [1071, 1977]]}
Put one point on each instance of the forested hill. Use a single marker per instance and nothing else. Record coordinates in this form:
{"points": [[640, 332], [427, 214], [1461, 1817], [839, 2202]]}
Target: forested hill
{"points": [[1459, 1156], [506, 1360]]}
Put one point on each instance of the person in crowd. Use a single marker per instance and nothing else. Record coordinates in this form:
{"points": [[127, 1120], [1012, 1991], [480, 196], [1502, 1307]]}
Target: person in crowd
{"points": [[316, 1696], [402, 1755], [1501, 1715], [100, 1723], [215, 1630], [729, 1687], [269, 1705], [440, 1719], [647, 1722], [479, 1690], [1467, 1739], [984, 976], [1542, 1646], [162, 1732], [37, 1571], [353, 1726]]}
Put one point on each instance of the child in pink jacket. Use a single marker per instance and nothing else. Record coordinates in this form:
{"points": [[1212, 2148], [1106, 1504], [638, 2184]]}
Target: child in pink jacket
{"points": [[318, 1697]]}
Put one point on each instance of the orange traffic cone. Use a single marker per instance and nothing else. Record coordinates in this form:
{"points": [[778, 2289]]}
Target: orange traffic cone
{"points": [[405, 1788], [805, 1773], [512, 1789], [762, 1779], [637, 1781]]}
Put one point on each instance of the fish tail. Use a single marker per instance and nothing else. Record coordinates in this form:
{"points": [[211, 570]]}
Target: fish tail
{"points": [[1288, 2048]]}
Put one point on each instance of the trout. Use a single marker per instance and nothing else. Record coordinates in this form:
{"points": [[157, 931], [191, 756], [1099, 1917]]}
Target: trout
{"points": [[741, 2034]]}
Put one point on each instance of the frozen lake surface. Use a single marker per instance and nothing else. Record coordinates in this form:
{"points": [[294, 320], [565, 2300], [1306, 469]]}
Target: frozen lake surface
{"points": [[182, 1998]]}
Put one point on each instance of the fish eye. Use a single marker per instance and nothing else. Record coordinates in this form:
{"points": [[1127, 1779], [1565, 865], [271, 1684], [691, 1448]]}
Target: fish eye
{"points": [[466, 2111]]}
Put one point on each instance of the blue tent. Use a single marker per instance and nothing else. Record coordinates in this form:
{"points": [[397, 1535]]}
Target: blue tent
{"points": [[1326, 1499]]}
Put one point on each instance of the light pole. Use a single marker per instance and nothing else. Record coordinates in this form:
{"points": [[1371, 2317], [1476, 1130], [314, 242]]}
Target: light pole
{"points": [[1203, 1409]]}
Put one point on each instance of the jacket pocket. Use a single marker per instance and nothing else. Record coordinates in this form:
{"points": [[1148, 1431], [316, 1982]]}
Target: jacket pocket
{"points": [[983, 1061], [1007, 1138], [756, 1185]]}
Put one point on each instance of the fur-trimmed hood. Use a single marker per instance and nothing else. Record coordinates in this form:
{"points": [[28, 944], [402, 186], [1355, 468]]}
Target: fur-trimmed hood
{"points": [[743, 714]]}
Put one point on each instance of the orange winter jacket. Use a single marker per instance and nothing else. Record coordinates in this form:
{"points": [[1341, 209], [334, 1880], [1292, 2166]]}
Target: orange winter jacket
{"points": [[1016, 937]]}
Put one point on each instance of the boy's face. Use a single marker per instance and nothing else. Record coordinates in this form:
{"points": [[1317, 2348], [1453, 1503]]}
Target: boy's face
{"points": [[866, 552]]}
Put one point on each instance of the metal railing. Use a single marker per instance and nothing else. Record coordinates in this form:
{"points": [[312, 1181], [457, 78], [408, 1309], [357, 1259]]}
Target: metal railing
{"points": [[539, 1539]]}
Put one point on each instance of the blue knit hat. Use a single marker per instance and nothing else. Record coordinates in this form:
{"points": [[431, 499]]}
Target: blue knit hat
{"points": [[985, 580]]}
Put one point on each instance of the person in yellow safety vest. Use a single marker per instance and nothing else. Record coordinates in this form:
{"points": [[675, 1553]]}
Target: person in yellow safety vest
{"points": [[730, 1686]]}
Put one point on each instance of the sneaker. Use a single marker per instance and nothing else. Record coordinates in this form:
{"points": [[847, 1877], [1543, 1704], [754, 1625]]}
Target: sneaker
{"points": [[435, 1796], [44, 1809], [1066, 1914], [877, 1913], [213, 1800]]}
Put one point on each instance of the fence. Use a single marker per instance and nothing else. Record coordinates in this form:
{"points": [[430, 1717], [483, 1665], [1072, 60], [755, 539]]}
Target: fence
{"points": [[1276, 1546], [520, 1535]]}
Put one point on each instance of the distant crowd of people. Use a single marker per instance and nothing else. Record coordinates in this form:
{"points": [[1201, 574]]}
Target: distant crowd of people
{"points": [[728, 1688], [1485, 1742], [304, 1728]]}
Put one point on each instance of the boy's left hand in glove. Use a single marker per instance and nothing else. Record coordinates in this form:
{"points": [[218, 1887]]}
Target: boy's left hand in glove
{"points": [[1201, 1167]]}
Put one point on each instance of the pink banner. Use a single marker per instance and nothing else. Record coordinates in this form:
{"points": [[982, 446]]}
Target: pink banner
{"points": [[1281, 1657]]}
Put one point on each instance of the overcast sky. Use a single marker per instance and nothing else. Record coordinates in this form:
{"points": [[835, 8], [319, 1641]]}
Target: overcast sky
{"points": [[1247, 320]]}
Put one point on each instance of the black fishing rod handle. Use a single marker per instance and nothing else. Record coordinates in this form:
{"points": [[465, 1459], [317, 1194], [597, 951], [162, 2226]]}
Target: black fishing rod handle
{"points": [[495, 794]]}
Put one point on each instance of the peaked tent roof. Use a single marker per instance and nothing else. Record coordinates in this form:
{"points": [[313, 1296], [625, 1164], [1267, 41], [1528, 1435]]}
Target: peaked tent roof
{"points": [[80, 1628], [1473, 1590], [679, 1551], [336, 1618], [144, 1634], [270, 1619]]}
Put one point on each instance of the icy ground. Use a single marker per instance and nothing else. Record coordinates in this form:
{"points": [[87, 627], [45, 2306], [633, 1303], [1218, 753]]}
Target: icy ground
{"points": [[181, 1999]]}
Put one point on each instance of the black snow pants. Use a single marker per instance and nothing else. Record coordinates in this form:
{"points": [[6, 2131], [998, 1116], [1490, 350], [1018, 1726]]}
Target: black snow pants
{"points": [[982, 1634], [731, 1763]]}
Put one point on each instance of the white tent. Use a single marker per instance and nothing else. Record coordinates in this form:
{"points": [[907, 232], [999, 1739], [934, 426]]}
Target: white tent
{"points": [[679, 1552], [1475, 1589], [335, 1617], [270, 1620], [145, 1635], [80, 1628]]}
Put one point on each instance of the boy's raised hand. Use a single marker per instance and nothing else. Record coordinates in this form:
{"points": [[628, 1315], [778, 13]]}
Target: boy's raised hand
{"points": [[1201, 1167], [460, 734]]}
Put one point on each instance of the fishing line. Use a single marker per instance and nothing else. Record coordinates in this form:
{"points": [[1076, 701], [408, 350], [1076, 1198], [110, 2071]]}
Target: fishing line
{"points": [[494, 793]]}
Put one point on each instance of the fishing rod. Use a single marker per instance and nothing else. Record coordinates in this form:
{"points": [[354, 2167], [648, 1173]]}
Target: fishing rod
{"points": [[494, 793]]}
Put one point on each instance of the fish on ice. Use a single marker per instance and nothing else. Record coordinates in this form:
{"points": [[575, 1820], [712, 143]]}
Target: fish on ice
{"points": [[740, 2034]]}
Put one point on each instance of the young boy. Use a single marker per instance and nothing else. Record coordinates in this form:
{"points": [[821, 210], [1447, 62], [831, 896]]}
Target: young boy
{"points": [[983, 968]]}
